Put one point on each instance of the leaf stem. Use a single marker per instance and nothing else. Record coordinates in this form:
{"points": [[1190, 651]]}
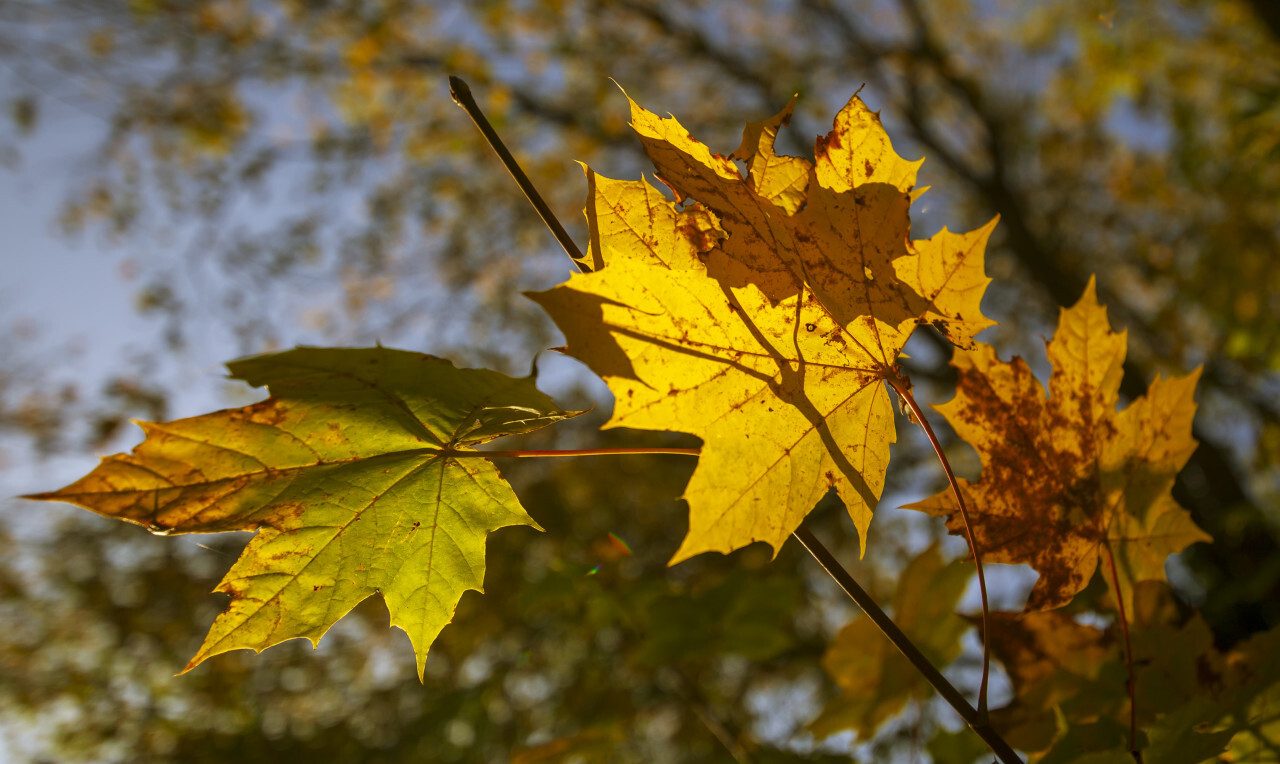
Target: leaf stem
{"points": [[1128, 657], [904, 390], [461, 94], [978, 722], [576, 452]]}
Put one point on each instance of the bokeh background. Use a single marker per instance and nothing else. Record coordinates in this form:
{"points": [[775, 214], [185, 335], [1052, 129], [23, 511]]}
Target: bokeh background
{"points": [[186, 181]]}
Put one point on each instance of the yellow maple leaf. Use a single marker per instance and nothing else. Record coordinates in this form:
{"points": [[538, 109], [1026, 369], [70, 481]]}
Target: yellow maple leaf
{"points": [[1066, 476], [846, 240], [762, 315]]}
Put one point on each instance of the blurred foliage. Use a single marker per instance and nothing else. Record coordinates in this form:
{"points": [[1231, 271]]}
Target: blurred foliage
{"points": [[303, 164], [876, 682]]}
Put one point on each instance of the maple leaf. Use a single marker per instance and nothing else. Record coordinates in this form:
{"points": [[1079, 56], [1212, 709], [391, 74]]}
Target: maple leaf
{"points": [[1254, 704], [1056, 666], [959, 745], [876, 681], [1069, 695], [356, 477], [1065, 476], [762, 315]]}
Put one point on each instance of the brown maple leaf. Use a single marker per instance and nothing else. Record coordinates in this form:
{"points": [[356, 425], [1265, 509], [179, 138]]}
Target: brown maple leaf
{"points": [[1065, 478]]}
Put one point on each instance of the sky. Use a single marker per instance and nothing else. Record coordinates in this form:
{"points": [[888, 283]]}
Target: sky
{"points": [[68, 303], [58, 296]]}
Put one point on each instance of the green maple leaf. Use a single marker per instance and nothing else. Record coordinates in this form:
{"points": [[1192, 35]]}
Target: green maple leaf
{"points": [[1057, 668], [960, 746], [358, 476], [1249, 708], [742, 614], [1069, 698], [1174, 739]]}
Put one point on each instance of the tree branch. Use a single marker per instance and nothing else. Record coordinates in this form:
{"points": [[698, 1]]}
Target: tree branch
{"points": [[977, 722]]}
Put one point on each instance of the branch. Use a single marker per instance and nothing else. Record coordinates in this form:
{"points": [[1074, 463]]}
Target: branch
{"points": [[977, 722], [1268, 12], [462, 96]]}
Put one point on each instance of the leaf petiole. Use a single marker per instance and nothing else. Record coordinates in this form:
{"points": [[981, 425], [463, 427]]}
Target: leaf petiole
{"points": [[575, 452], [903, 388], [1128, 658]]}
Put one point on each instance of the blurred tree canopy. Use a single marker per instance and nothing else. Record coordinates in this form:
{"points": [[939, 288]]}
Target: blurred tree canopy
{"points": [[303, 162]]}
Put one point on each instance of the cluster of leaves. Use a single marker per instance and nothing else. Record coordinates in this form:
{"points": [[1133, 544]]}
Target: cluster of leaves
{"points": [[764, 313]]}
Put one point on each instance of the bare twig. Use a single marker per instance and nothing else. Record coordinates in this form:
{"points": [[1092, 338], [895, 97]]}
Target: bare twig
{"points": [[462, 96], [977, 722]]}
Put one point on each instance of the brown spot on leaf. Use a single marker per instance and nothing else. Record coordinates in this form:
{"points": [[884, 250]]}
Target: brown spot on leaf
{"points": [[270, 412], [703, 238], [233, 587]]}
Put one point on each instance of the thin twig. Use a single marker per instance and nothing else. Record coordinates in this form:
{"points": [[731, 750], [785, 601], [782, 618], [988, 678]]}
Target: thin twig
{"points": [[1128, 658], [904, 391], [689, 693], [462, 96], [977, 722]]}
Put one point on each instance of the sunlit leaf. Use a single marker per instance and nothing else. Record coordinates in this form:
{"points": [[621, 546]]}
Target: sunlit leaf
{"points": [[763, 314], [359, 476], [1065, 477]]}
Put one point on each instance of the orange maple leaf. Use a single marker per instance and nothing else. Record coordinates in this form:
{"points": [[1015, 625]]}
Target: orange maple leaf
{"points": [[1067, 476], [762, 314]]}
